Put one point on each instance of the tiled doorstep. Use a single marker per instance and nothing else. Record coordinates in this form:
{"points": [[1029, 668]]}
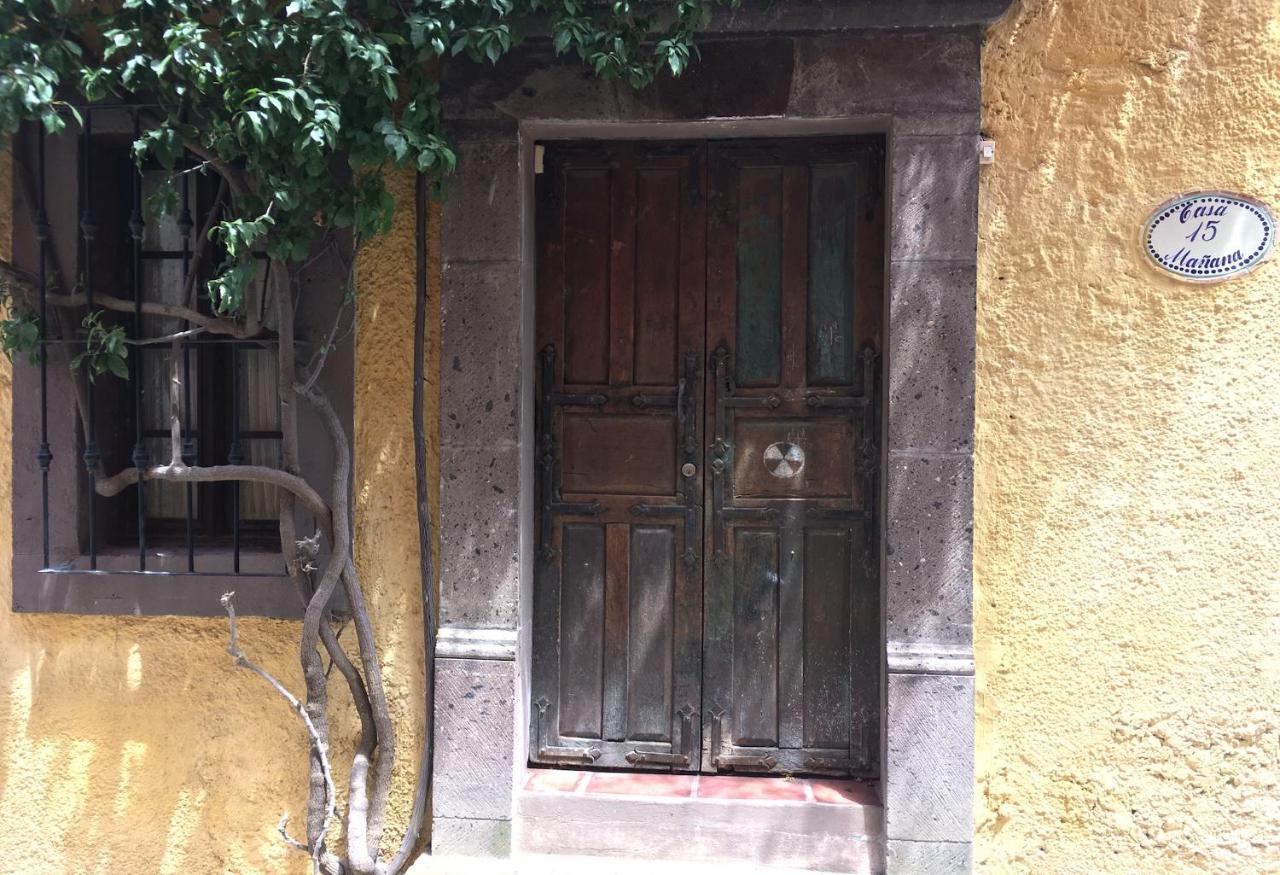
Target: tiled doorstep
{"points": [[767, 823], [723, 787]]}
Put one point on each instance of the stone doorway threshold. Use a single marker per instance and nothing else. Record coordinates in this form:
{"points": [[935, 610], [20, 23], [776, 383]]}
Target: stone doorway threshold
{"points": [[741, 823], [552, 864]]}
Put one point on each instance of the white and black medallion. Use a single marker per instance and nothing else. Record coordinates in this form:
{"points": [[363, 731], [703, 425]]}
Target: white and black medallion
{"points": [[783, 459]]}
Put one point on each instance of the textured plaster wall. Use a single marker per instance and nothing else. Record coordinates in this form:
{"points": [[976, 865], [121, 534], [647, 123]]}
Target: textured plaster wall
{"points": [[132, 745], [386, 517], [1128, 455]]}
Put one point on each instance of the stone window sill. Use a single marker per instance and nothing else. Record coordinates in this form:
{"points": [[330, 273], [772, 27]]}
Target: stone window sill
{"points": [[165, 589]]}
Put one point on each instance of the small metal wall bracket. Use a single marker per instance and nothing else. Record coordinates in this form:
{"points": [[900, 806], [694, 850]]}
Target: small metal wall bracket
{"points": [[986, 150]]}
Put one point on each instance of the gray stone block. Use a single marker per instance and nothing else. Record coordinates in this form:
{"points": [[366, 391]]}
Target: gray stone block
{"points": [[475, 699], [931, 356], [480, 354], [929, 549], [479, 536], [929, 758], [780, 17], [934, 206], [468, 837], [851, 74], [533, 83], [936, 124], [929, 858], [481, 215]]}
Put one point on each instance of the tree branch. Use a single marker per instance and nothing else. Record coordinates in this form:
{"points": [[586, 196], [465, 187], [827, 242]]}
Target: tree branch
{"points": [[236, 178], [202, 242], [291, 483], [20, 282], [362, 852], [228, 327], [175, 404], [316, 364], [385, 764], [318, 743], [283, 828]]}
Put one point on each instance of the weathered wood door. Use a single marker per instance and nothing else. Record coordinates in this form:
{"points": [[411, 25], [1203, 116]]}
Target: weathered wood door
{"points": [[706, 589]]}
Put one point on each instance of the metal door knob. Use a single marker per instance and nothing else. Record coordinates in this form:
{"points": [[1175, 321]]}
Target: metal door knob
{"points": [[689, 469]]}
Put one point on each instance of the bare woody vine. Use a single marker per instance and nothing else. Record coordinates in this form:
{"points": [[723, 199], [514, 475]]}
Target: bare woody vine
{"points": [[298, 108]]}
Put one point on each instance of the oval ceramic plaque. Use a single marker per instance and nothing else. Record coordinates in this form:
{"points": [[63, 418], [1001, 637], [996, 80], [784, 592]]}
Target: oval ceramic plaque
{"points": [[1209, 236]]}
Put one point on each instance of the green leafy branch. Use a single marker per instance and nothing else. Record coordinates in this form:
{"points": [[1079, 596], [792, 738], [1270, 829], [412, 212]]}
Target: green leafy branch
{"points": [[305, 103], [104, 351], [19, 327]]}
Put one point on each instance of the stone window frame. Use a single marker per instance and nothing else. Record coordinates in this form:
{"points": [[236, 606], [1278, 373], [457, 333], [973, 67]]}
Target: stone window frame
{"points": [[929, 371]]}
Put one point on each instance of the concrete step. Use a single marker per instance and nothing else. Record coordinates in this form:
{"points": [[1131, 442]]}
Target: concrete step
{"points": [[559, 864], [748, 824]]}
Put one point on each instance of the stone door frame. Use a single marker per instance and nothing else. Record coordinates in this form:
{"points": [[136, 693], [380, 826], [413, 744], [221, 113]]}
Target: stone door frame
{"points": [[487, 436]]}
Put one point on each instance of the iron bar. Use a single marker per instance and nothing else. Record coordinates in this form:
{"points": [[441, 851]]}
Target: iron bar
{"points": [[839, 402], [644, 401], [140, 455], [659, 510], [88, 229], [185, 224], [195, 340], [575, 508], [44, 456], [235, 456], [570, 399]]}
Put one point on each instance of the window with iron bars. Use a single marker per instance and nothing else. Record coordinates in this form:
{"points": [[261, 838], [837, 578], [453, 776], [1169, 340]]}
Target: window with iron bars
{"points": [[153, 547]]}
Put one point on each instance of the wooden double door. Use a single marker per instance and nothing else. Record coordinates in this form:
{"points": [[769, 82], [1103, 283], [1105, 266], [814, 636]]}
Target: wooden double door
{"points": [[706, 591]]}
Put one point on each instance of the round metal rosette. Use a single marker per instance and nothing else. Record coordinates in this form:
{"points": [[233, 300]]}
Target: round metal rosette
{"points": [[783, 459]]}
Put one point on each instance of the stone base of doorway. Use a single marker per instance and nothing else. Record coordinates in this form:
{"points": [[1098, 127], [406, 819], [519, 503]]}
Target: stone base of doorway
{"points": [[559, 864], [771, 825]]}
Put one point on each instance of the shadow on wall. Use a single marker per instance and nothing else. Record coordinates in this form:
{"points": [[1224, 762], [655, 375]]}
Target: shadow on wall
{"points": [[136, 746]]}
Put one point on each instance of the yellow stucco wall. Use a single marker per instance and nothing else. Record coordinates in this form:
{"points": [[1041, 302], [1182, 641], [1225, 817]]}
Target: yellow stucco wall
{"points": [[132, 745], [1128, 455]]}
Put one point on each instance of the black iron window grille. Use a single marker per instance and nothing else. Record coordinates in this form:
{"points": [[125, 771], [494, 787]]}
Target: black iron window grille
{"points": [[108, 254]]}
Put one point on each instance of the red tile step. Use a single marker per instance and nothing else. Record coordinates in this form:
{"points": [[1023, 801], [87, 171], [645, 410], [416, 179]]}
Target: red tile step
{"points": [[758, 789], [718, 787]]}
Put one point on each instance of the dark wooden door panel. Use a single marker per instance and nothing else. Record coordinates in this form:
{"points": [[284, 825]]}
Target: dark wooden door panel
{"points": [[795, 253], [706, 590], [621, 323]]}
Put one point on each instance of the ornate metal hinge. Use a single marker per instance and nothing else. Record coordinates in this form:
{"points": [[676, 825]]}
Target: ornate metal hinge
{"points": [[658, 758], [560, 754], [643, 401], [569, 399], [762, 762]]}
